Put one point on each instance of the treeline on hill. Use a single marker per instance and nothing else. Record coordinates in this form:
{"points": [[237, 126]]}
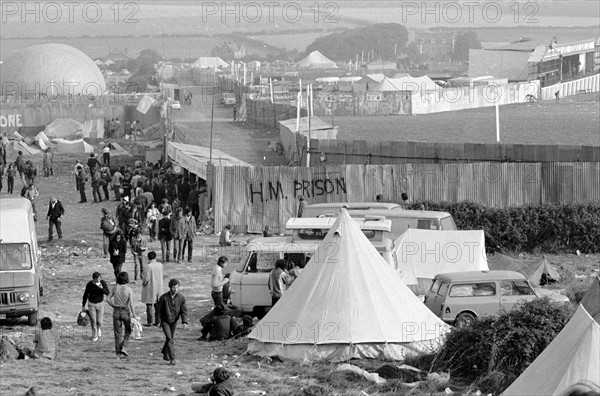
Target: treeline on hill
{"points": [[551, 228], [386, 39]]}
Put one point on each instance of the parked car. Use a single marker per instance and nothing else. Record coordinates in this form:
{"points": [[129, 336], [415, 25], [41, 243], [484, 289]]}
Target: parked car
{"points": [[459, 298], [175, 105], [228, 98]]}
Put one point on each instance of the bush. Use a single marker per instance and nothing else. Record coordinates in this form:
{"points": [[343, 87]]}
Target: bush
{"points": [[552, 228], [495, 351]]}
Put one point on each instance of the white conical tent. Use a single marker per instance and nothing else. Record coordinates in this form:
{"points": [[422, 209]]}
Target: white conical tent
{"points": [[348, 303], [591, 300], [572, 359], [316, 60]]}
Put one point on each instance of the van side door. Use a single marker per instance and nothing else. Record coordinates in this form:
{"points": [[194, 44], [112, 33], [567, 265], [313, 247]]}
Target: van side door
{"points": [[254, 282], [514, 292], [436, 296]]}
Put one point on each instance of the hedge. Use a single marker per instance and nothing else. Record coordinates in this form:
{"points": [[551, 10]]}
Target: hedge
{"points": [[549, 228]]}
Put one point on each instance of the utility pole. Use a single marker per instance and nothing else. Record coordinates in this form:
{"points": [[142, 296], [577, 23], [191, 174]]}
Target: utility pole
{"points": [[212, 118]]}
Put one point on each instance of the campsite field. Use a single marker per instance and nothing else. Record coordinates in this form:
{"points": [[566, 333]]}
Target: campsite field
{"points": [[86, 368], [573, 121]]}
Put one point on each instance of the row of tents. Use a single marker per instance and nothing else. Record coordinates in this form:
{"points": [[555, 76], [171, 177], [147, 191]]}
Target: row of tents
{"points": [[350, 303]]}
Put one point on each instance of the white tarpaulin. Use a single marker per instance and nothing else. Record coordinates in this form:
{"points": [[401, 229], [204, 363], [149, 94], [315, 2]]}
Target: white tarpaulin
{"points": [[72, 146], [144, 104], [63, 128], [347, 303], [422, 254], [196, 158], [93, 129]]}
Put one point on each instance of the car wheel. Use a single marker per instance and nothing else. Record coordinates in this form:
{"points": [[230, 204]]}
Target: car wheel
{"points": [[464, 319]]}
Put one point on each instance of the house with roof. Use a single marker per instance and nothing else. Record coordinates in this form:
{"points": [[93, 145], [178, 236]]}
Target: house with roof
{"points": [[117, 56], [229, 50], [433, 46]]}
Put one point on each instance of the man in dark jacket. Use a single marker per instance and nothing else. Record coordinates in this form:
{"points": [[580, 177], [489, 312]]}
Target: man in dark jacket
{"points": [[56, 211], [117, 247], [94, 293], [220, 384], [171, 306]]}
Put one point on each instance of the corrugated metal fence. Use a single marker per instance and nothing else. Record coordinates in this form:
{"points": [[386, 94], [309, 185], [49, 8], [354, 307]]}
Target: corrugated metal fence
{"points": [[249, 198]]}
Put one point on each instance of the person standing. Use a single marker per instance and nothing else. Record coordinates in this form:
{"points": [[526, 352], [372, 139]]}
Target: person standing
{"points": [[178, 234], [54, 216], [152, 286], [138, 248], [105, 181], [3, 147], [190, 233], [301, 206], [80, 179], [121, 299], [31, 193], [94, 293], [106, 155], [92, 163], [117, 178], [277, 279], [152, 217], [117, 128], [96, 183], [164, 235], [171, 307], [117, 247], [48, 163], [234, 112], [2, 171], [109, 227], [11, 173], [30, 172], [217, 281]]}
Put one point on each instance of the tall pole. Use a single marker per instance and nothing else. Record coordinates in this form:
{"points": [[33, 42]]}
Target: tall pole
{"points": [[212, 118], [497, 122]]}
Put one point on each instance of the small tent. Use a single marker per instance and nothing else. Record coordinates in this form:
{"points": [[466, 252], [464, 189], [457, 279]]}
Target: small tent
{"points": [[540, 273], [316, 60], [63, 128], [422, 254], [347, 303], [72, 146], [93, 129], [571, 360]]}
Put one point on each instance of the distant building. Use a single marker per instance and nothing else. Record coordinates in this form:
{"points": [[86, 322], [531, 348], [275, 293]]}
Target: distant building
{"points": [[229, 51], [528, 60], [433, 46], [117, 56], [381, 65]]}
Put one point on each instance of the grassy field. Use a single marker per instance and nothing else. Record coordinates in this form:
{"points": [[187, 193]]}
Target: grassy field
{"points": [[575, 120], [86, 368]]}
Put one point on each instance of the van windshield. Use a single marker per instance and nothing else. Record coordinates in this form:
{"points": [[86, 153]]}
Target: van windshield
{"points": [[15, 256], [448, 223]]}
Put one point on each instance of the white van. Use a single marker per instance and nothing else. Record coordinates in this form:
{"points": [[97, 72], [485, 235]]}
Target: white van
{"points": [[248, 280], [402, 219], [20, 274]]}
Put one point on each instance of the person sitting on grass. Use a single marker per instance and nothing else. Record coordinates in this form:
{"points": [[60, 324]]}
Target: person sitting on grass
{"points": [[46, 341], [219, 327], [220, 384]]}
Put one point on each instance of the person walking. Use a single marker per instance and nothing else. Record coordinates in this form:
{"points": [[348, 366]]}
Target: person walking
{"points": [[108, 227], [225, 237], [171, 307], [152, 286], [48, 162], [121, 299], [56, 211], [277, 279], [178, 234], [2, 172], [164, 235], [138, 248], [301, 206], [30, 172], [117, 178], [11, 173], [117, 247], [94, 293], [20, 165], [190, 233], [93, 163]]}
